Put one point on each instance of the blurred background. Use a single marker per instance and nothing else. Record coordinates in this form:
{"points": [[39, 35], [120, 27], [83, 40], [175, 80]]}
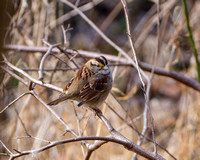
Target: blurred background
{"points": [[175, 107]]}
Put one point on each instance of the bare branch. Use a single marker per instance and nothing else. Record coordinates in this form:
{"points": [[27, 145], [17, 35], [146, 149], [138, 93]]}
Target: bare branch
{"points": [[4, 154], [73, 13], [172, 74], [146, 93], [31, 78], [147, 67], [79, 129], [127, 144], [54, 113], [65, 51], [5, 147], [15, 100], [15, 75], [36, 138], [130, 40], [26, 131], [44, 58], [49, 69], [116, 134], [64, 31], [113, 132]]}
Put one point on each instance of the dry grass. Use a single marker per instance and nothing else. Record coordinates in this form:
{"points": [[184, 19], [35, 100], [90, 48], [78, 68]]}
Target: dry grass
{"points": [[175, 107]]}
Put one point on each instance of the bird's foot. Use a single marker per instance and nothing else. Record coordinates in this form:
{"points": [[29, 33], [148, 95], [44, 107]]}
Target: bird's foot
{"points": [[96, 111]]}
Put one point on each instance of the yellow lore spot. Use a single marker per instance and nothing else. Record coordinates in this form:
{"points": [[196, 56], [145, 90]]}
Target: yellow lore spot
{"points": [[100, 64]]}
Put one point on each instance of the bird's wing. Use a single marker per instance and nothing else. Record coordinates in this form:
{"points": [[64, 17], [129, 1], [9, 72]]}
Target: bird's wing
{"points": [[67, 85], [93, 89]]}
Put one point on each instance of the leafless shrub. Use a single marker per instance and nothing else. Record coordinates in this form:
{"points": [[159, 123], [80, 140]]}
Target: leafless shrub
{"points": [[151, 116]]}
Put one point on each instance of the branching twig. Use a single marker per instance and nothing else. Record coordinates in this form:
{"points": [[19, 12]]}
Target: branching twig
{"points": [[41, 67], [115, 135], [126, 144], [26, 131], [15, 75], [65, 51], [79, 129], [31, 78], [15, 100], [146, 92], [147, 67], [5, 147], [51, 110], [55, 114], [44, 58], [140, 134]]}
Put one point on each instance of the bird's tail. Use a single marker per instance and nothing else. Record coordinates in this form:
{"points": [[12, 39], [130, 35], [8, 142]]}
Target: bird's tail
{"points": [[60, 99]]}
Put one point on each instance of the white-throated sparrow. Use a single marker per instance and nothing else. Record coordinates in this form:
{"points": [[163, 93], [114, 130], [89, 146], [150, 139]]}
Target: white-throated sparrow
{"points": [[90, 86]]}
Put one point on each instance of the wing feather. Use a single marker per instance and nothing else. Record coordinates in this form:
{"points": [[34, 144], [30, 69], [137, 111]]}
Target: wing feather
{"points": [[68, 85], [93, 88]]}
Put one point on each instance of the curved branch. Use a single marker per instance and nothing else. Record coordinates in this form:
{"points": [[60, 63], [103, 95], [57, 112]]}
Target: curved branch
{"points": [[44, 58], [131, 146]]}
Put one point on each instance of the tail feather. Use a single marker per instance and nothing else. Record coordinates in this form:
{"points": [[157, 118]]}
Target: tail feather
{"points": [[60, 99]]}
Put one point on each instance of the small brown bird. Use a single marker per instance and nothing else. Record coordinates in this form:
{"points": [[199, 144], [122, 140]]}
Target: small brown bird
{"points": [[90, 86]]}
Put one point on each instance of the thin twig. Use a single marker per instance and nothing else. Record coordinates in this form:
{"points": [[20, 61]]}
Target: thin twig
{"points": [[44, 58], [79, 129], [146, 93], [131, 41], [22, 123], [15, 75], [73, 13], [65, 51], [64, 31], [152, 73], [48, 69], [5, 147], [36, 138], [26, 131], [15, 100], [68, 128], [88, 118], [5, 154]]}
